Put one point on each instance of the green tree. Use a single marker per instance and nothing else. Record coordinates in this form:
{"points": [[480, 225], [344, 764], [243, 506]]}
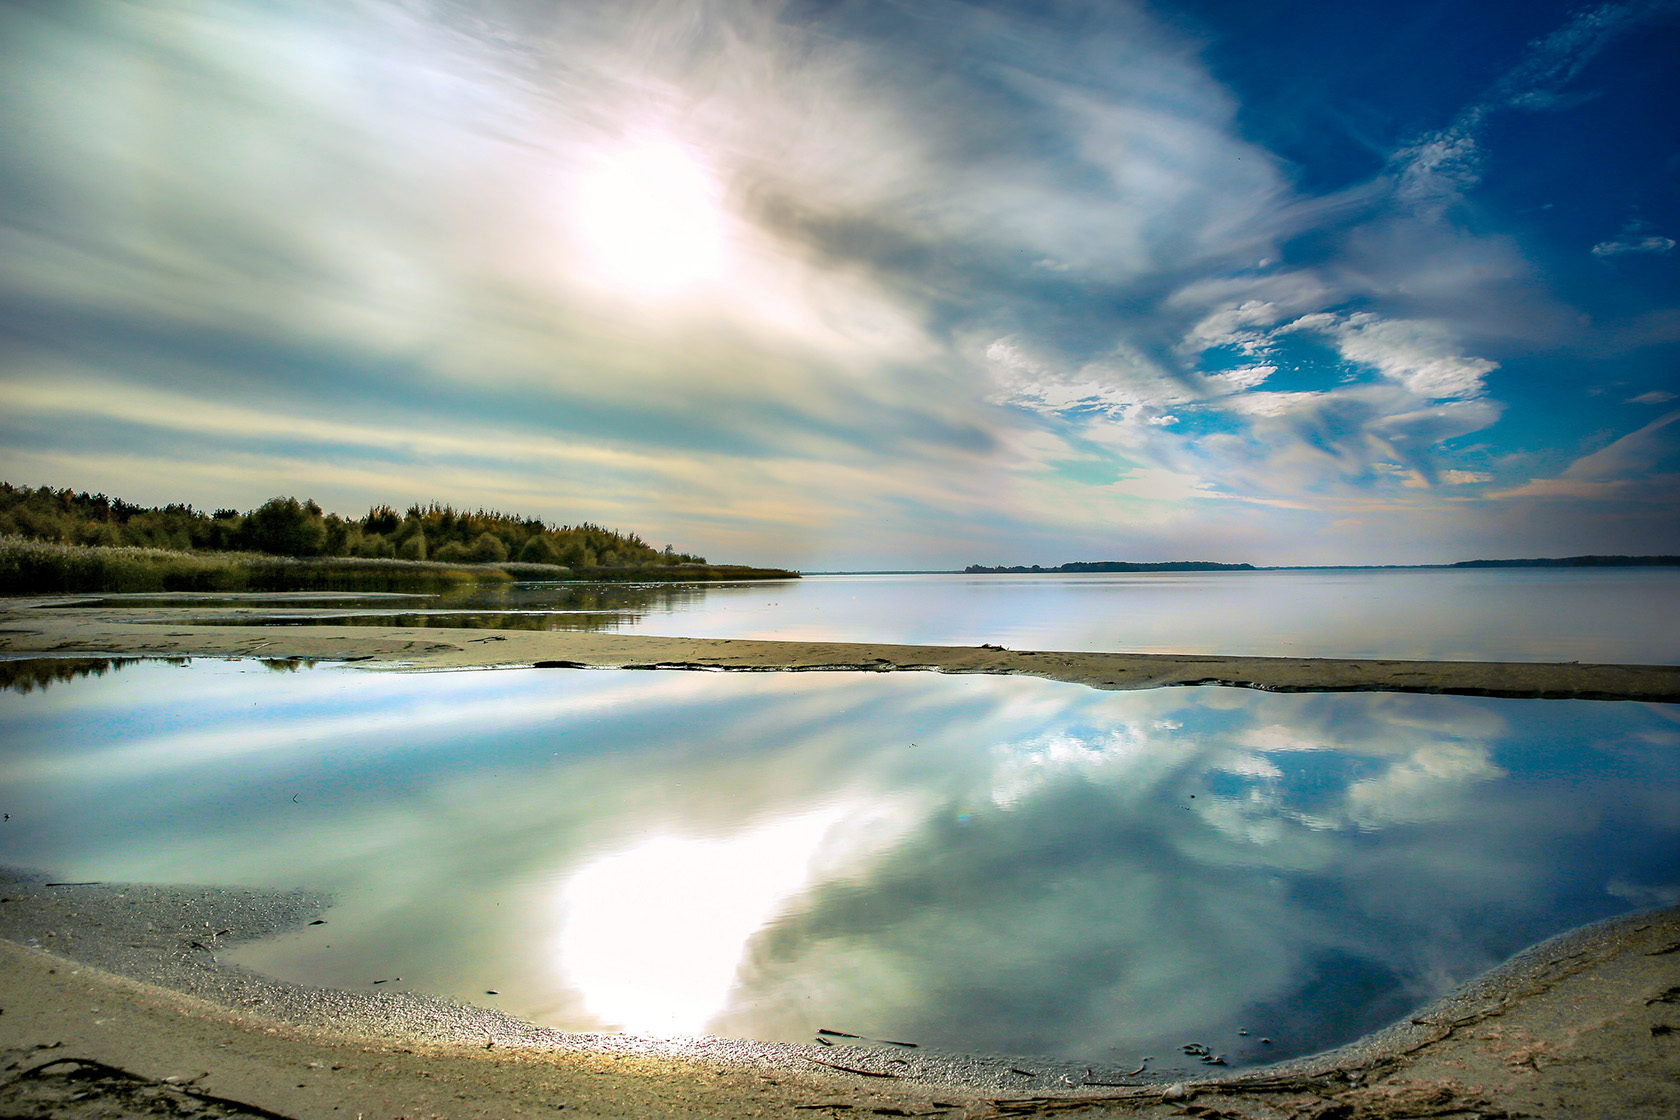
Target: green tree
{"points": [[452, 553], [539, 550], [381, 520], [489, 549], [285, 527], [375, 546]]}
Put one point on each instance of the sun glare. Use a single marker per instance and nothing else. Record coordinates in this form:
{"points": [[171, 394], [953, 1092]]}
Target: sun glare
{"points": [[650, 216], [652, 936]]}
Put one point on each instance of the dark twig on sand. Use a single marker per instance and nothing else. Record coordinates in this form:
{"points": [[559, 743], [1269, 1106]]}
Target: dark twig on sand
{"points": [[849, 1069]]}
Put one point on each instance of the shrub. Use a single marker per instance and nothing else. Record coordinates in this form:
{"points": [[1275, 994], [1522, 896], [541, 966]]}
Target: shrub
{"points": [[489, 549], [539, 550], [374, 546], [453, 553]]}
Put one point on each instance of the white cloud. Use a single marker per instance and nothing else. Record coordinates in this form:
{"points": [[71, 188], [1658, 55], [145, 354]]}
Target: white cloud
{"points": [[1416, 354], [1655, 396], [1268, 403], [1436, 170], [1245, 377], [1243, 307], [1234, 326], [1622, 246], [1119, 383]]}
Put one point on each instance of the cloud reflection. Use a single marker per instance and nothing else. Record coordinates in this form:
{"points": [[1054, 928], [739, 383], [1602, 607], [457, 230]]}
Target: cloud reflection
{"points": [[999, 864]]}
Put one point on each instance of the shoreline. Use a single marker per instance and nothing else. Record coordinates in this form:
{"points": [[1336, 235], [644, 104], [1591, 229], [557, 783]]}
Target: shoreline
{"points": [[33, 627], [1581, 1025]]}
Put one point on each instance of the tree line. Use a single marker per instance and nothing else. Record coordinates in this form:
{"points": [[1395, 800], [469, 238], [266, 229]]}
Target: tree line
{"points": [[287, 526]]}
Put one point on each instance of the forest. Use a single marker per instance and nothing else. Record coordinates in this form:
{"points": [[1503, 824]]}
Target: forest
{"points": [[299, 528]]}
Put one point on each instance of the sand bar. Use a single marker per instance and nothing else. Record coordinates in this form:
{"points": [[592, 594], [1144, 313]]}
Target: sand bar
{"points": [[40, 626]]}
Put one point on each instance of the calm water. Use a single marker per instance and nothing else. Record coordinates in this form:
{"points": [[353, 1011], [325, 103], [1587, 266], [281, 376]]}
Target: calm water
{"points": [[1533, 614], [981, 863]]}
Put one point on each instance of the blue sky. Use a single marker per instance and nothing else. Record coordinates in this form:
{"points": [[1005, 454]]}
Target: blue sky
{"points": [[861, 284]]}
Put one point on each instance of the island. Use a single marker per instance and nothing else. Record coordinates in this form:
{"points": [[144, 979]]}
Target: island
{"points": [[1114, 566]]}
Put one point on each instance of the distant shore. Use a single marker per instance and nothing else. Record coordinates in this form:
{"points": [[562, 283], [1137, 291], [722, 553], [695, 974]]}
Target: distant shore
{"points": [[1079, 567], [30, 627]]}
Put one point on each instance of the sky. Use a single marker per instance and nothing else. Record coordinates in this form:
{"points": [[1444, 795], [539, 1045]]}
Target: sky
{"points": [[860, 284]]}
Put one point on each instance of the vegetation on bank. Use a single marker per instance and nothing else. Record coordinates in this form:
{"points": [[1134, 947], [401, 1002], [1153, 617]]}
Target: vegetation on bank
{"points": [[40, 567], [290, 527], [34, 567], [60, 541]]}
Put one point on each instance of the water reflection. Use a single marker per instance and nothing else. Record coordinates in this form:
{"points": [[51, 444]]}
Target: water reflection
{"points": [[997, 864], [1618, 617], [1610, 616], [619, 912], [513, 606], [26, 674]]}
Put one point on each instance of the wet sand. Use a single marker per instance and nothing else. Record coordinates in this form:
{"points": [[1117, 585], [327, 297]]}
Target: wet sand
{"points": [[35, 627], [1586, 1025]]}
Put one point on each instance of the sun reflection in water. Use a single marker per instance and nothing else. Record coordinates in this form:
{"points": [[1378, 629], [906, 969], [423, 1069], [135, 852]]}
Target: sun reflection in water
{"points": [[652, 936]]}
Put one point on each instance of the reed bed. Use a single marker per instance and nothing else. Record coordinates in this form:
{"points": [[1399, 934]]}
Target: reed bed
{"points": [[37, 567]]}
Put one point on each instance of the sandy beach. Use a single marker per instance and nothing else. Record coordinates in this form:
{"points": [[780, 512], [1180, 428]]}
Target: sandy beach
{"points": [[1585, 1025], [111, 997]]}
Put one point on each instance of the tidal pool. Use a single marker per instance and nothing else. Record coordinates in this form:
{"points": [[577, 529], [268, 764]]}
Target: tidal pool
{"points": [[982, 864]]}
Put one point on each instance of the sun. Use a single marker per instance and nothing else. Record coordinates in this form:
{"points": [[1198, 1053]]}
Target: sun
{"points": [[650, 217]]}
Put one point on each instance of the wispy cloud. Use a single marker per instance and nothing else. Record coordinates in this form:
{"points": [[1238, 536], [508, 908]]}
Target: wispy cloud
{"points": [[1642, 465], [1436, 169], [1634, 243]]}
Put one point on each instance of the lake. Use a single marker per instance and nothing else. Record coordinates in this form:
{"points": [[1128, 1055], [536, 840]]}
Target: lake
{"points": [[1612, 616], [984, 864]]}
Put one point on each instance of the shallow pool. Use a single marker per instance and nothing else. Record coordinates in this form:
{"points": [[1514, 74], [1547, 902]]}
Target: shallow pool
{"points": [[987, 864]]}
